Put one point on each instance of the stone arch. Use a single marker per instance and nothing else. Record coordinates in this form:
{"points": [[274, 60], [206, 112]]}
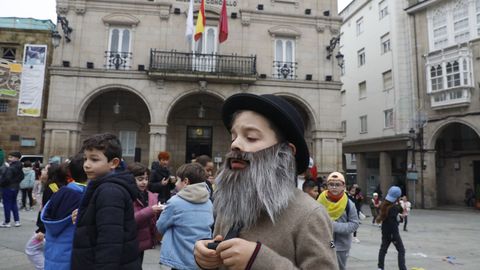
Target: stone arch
{"points": [[304, 104], [110, 88], [430, 143]]}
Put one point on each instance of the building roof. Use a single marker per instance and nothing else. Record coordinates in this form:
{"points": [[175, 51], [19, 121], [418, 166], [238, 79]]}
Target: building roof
{"points": [[26, 23]]}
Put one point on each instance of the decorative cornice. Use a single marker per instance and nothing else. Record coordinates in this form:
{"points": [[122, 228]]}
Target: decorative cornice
{"points": [[80, 7], [164, 12], [120, 19], [284, 30]]}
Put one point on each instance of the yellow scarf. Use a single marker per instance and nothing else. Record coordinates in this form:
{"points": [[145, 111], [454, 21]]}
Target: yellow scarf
{"points": [[335, 209]]}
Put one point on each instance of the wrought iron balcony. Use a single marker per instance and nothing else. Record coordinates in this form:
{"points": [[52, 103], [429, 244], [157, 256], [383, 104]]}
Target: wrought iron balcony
{"points": [[118, 60], [284, 70], [183, 65]]}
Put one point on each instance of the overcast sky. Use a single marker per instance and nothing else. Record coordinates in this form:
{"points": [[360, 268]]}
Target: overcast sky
{"points": [[45, 9]]}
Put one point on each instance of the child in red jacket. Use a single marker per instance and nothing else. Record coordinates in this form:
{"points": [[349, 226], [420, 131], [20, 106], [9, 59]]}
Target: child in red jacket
{"points": [[146, 208]]}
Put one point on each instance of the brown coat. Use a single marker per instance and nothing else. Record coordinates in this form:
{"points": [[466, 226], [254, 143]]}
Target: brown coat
{"points": [[300, 238]]}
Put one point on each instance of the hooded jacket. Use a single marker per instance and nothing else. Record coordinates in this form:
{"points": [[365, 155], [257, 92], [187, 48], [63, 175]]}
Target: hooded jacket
{"points": [[106, 234], [12, 175], [59, 228], [145, 219], [28, 178], [187, 217]]}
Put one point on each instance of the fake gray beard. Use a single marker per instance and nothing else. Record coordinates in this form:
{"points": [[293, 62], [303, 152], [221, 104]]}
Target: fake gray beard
{"points": [[264, 186]]}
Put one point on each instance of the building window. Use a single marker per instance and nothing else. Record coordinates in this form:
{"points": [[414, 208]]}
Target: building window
{"points": [[387, 80], [453, 74], [361, 57], [440, 34], [343, 97], [385, 43], [205, 49], [8, 53], [128, 139], [460, 22], [359, 26], [119, 54], [362, 90], [3, 106], [383, 9], [436, 78], [388, 118], [363, 124], [284, 63], [344, 128], [477, 13]]}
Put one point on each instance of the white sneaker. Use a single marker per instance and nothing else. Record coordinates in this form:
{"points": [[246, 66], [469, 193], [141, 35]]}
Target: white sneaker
{"points": [[17, 224], [356, 240], [5, 225]]}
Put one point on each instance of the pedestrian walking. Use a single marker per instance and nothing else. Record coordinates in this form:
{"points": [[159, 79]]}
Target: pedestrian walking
{"points": [[11, 174], [256, 201], [146, 208], [106, 233], [160, 181], [406, 206], [26, 185], [343, 214], [389, 217], [375, 206], [187, 218]]}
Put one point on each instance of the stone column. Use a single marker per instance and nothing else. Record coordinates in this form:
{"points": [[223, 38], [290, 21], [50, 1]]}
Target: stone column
{"points": [[429, 179], [61, 138], [361, 170], [158, 140], [385, 172]]}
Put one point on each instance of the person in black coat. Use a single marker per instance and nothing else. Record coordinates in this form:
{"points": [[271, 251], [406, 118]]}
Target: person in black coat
{"points": [[10, 177], [160, 180], [106, 234]]}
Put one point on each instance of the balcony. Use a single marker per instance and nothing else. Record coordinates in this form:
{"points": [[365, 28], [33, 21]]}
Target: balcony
{"points": [[118, 60], [284, 70], [175, 65], [456, 97]]}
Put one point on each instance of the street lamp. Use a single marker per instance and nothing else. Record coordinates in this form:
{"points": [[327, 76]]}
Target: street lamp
{"points": [[66, 29], [56, 39], [330, 48]]}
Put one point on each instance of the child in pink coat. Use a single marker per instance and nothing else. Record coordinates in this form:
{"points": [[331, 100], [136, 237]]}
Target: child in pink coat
{"points": [[146, 208]]}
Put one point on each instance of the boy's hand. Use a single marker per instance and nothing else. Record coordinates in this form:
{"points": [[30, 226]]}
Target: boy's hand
{"points": [[157, 208], [236, 252], [74, 216], [164, 181], [39, 236], [207, 258]]}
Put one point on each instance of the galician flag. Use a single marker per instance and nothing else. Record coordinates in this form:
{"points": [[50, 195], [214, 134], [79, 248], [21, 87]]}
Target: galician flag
{"points": [[200, 27], [190, 27], [223, 24]]}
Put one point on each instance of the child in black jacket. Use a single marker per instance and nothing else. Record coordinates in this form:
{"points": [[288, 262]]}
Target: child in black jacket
{"points": [[389, 217], [106, 234]]}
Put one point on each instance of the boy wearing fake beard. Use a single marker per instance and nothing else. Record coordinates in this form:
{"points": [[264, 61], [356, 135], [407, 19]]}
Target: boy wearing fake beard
{"points": [[262, 220]]}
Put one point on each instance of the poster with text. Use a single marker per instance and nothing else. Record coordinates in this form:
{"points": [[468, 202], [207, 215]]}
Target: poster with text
{"points": [[33, 77]]}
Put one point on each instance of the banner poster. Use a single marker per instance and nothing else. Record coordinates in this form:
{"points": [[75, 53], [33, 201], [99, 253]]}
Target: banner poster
{"points": [[33, 77], [10, 74]]}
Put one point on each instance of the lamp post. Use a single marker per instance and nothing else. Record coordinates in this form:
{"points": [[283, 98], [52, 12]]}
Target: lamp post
{"points": [[66, 29], [331, 47]]}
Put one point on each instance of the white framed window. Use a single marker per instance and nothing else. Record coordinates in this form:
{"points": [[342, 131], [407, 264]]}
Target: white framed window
{"points": [[387, 80], [205, 49], [436, 78], [119, 54], [383, 9], [343, 96], [344, 127], [460, 22], [453, 74], [440, 31], [362, 90], [128, 139], [360, 26], [385, 43], [284, 62], [363, 124], [388, 118], [361, 57]]}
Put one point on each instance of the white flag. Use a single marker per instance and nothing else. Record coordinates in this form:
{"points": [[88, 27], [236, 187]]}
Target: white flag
{"points": [[189, 28]]}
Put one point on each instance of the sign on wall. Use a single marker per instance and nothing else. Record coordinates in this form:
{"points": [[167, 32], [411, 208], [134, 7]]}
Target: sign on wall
{"points": [[33, 77], [10, 74]]}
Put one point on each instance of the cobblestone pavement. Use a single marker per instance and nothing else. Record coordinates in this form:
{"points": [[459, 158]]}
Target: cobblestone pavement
{"points": [[432, 236]]}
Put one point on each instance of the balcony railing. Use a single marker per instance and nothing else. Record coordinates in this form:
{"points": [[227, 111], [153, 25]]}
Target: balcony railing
{"points": [[207, 64], [284, 70], [118, 60]]}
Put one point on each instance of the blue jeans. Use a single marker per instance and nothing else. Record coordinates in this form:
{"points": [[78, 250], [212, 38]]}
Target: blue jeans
{"points": [[9, 197]]}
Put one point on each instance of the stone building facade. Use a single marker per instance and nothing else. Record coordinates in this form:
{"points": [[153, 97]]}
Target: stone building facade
{"points": [[21, 133], [447, 142], [129, 69]]}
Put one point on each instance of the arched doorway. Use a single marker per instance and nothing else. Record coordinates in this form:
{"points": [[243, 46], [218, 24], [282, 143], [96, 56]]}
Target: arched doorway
{"points": [[457, 158], [124, 114], [195, 128]]}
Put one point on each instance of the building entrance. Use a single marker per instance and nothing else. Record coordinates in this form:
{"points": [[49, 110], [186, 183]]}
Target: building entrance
{"points": [[199, 142]]}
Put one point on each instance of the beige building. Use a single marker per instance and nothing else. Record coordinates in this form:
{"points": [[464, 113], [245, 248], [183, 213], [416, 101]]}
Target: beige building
{"points": [[129, 69], [447, 150]]}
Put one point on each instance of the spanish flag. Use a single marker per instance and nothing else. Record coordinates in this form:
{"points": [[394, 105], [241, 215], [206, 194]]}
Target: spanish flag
{"points": [[200, 27]]}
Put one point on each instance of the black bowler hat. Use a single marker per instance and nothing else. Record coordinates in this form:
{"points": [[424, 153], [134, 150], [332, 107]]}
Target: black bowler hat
{"points": [[281, 113]]}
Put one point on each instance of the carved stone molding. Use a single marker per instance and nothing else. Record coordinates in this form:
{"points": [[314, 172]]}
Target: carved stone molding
{"points": [[245, 17], [62, 9], [160, 84], [120, 19], [285, 31], [164, 12], [80, 7], [203, 85]]}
